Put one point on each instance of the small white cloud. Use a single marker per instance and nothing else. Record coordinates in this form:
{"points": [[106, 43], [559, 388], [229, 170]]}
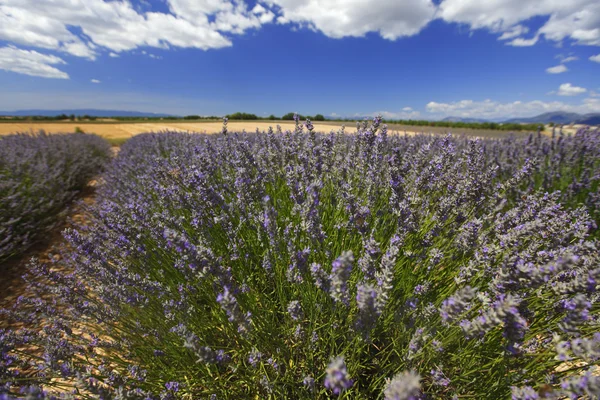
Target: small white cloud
{"points": [[559, 69], [407, 109], [113, 55], [595, 58], [29, 62], [95, 81], [569, 59], [518, 30], [566, 89], [520, 42]]}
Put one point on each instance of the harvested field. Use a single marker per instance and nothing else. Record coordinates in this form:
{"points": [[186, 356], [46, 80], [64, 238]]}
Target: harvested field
{"points": [[123, 130], [127, 130]]}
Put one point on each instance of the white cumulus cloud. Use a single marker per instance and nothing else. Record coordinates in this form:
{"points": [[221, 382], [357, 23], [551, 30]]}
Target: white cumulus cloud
{"points": [[95, 81], [559, 69], [341, 18], [118, 26], [578, 20], [489, 109], [595, 58], [31, 62], [566, 89], [89, 28]]}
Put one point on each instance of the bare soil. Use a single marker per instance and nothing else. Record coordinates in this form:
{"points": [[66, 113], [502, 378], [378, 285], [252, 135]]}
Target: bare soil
{"points": [[12, 284]]}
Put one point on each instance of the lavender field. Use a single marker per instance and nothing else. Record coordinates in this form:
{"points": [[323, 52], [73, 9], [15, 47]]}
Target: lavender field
{"points": [[39, 175], [305, 265]]}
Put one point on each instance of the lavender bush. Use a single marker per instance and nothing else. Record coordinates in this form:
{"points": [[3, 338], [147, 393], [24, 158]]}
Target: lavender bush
{"points": [[39, 175], [305, 265]]}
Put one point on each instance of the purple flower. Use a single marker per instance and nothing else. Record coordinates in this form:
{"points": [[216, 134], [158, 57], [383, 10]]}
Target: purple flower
{"points": [[368, 307], [295, 310], [404, 386], [309, 383], [230, 305], [254, 357], [457, 304], [320, 277], [340, 273], [172, 386], [439, 378], [337, 379]]}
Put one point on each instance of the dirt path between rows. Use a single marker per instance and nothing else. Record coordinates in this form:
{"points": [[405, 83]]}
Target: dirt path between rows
{"points": [[12, 284]]}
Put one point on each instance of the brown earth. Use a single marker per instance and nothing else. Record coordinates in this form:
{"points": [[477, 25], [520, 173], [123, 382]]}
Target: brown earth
{"points": [[12, 284]]}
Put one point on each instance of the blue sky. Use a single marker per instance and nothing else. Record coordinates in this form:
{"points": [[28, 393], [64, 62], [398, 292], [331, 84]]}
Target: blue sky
{"points": [[405, 59]]}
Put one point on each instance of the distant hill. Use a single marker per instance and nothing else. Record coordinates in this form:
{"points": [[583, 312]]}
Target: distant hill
{"points": [[559, 117], [91, 112], [590, 119]]}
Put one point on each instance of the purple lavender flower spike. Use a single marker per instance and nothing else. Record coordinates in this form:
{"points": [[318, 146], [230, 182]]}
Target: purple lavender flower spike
{"points": [[369, 308], [340, 273], [337, 379], [404, 386]]}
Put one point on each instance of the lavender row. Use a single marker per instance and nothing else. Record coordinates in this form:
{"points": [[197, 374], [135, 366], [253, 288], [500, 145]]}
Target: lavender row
{"points": [[39, 175], [304, 265]]}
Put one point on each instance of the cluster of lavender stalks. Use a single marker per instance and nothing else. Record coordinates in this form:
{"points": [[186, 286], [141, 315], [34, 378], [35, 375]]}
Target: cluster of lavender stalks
{"points": [[304, 265], [39, 175]]}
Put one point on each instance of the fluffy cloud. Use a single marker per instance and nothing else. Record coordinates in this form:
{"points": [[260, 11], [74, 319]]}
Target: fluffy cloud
{"points": [[31, 63], [559, 69], [87, 28], [84, 28], [489, 109], [578, 20], [514, 32], [117, 26], [95, 81], [595, 58], [565, 60], [520, 42], [566, 89], [340, 18]]}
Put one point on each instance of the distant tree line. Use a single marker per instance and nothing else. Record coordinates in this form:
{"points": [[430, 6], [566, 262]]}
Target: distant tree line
{"points": [[469, 125], [286, 117], [450, 124]]}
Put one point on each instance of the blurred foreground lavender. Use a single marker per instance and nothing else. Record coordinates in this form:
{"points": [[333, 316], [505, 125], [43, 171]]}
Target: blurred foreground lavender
{"points": [[39, 175], [305, 265]]}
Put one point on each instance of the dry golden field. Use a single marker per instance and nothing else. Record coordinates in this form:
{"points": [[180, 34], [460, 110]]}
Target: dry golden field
{"points": [[120, 131], [127, 130]]}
